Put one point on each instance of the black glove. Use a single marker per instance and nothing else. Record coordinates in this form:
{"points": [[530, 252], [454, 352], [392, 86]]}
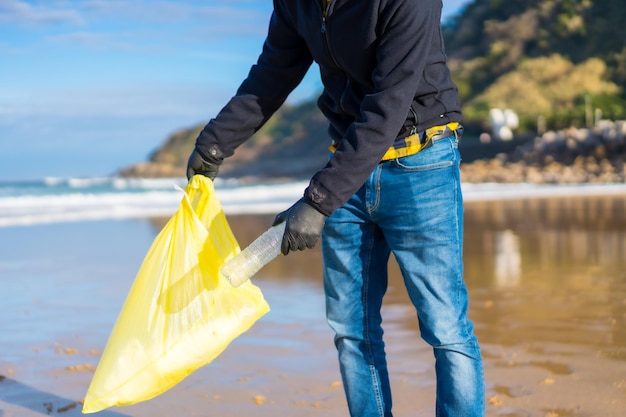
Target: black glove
{"points": [[197, 164], [303, 228]]}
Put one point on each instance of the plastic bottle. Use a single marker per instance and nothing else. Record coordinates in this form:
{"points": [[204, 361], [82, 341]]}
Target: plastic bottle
{"points": [[244, 265]]}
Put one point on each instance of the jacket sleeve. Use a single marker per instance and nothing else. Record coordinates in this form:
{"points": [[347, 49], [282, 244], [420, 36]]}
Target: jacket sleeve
{"points": [[281, 66], [408, 32]]}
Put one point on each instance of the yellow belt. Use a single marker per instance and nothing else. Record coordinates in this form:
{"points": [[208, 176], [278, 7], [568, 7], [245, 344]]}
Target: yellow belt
{"points": [[414, 143]]}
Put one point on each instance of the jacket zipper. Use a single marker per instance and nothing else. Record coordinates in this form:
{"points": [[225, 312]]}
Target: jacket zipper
{"points": [[414, 127], [326, 11]]}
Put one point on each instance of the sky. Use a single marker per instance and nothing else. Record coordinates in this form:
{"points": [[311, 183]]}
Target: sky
{"points": [[90, 86]]}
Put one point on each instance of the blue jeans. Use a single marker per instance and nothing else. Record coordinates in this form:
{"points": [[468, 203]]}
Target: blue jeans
{"points": [[412, 207]]}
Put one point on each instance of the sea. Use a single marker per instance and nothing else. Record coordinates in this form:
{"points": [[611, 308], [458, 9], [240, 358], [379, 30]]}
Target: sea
{"points": [[57, 200]]}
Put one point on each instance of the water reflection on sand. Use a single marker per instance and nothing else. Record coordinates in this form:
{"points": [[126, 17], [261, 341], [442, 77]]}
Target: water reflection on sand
{"points": [[550, 270]]}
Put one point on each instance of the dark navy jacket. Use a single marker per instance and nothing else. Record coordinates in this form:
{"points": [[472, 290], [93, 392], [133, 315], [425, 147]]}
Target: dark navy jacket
{"points": [[383, 67]]}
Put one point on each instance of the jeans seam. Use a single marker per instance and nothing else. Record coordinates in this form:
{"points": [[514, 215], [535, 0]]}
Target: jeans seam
{"points": [[459, 242], [366, 330], [428, 167]]}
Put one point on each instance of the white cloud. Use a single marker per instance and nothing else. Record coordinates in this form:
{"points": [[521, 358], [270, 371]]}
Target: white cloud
{"points": [[123, 102], [83, 38], [117, 41], [21, 13], [169, 12]]}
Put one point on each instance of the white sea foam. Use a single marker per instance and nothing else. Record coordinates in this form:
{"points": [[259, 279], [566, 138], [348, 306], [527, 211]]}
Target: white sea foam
{"points": [[113, 198], [497, 191], [30, 210], [133, 199], [146, 183]]}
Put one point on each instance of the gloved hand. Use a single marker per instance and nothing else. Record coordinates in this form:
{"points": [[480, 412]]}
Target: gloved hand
{"points": [[197, 164], [303, 228]]}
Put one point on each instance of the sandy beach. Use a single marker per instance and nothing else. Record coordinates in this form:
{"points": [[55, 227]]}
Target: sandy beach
{"points": [[547, 288]]}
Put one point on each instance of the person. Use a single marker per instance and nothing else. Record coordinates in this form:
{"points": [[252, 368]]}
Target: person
{"points": [[392, 184]]}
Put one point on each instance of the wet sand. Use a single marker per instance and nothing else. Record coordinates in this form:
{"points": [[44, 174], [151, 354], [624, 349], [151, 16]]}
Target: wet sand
{"points": [[547, 281]]}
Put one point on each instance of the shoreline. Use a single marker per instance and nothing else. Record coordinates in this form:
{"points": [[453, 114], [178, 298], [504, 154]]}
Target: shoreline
{"points": [[237, 199], [473, 192]]}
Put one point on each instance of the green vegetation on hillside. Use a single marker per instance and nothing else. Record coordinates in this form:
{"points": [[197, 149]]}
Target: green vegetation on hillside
{"points": [[550, 58]]}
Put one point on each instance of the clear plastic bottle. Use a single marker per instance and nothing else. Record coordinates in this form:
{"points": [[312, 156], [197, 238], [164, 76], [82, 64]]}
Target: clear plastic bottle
{"points": [[244, 265]]}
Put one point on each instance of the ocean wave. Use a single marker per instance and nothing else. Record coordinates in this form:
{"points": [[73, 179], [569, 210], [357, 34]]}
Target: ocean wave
{"points": [[55, 200], [159, 198], [31, 210], [117, 183]]}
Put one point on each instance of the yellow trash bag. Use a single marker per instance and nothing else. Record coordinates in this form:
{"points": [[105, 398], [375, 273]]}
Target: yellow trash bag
{"points": [[180, 313]]}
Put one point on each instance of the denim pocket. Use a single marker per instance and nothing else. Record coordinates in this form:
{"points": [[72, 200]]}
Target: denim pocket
{"points": [[442, 154]]}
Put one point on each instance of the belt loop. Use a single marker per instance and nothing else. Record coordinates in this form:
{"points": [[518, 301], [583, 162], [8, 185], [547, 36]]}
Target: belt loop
{"points": [[458, 132]]}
